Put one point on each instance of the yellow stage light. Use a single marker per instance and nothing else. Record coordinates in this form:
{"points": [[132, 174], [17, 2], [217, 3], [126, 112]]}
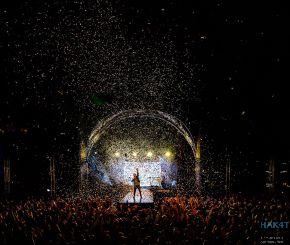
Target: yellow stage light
{"points": [[168, 154], [149, 154], [117, 154]]}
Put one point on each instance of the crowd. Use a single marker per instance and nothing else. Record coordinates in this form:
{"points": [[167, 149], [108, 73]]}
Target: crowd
{"points": [[174, 220]]}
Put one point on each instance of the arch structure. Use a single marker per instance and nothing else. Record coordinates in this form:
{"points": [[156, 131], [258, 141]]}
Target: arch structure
{"points": [[123, 115], [107, 122]]}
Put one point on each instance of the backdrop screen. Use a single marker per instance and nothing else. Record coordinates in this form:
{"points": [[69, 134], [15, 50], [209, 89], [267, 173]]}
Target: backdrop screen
{"points": [[149, 173]]}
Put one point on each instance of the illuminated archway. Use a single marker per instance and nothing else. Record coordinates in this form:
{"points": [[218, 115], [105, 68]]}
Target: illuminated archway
{"points": [[122, 115], [105, 124]]}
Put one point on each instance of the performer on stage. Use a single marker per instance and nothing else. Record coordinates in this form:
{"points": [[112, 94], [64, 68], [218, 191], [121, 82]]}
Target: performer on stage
{"points": [[136, 183]]}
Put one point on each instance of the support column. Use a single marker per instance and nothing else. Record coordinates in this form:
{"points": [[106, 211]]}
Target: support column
{"points": [[7, 177], [83, 167], [228, 173], [270, 176], [52, 177], [198, 165]]}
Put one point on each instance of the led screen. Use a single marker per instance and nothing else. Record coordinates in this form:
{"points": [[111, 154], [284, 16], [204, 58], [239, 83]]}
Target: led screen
{"points": [[158, 173], [149, 173]]}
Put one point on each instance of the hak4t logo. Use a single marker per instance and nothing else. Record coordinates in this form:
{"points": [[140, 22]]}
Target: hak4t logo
{"points": [[274, 225]]}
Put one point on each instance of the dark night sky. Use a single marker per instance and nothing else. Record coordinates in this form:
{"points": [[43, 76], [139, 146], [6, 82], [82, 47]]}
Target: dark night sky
{"points": [[240, 47]]}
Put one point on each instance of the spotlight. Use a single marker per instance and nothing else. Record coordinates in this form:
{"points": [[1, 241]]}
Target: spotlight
{"points": [[117, 154], [168, 154], [149, 154], [135, 154]]}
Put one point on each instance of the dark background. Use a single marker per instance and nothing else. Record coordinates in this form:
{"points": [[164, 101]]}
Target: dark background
{"points": [[242, 104]]}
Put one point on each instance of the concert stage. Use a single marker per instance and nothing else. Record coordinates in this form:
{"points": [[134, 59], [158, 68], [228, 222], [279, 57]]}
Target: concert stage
{"points": [[147, 197]]}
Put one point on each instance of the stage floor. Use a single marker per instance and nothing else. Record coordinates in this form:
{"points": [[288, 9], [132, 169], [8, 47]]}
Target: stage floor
{"points": [[147, 197]]}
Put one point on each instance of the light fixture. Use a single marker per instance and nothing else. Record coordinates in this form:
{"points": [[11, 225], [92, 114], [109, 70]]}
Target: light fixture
{"points": [[117, 154], [134, 154], [168, 154], [149, 154]]}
